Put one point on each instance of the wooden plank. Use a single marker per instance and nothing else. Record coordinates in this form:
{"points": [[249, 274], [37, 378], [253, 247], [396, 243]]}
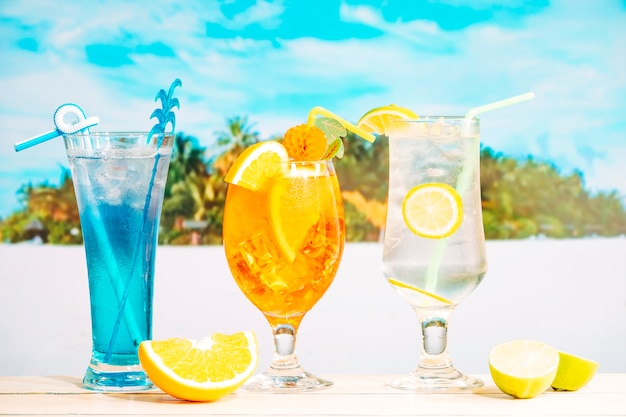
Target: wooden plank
{"points": [[351, 396]]}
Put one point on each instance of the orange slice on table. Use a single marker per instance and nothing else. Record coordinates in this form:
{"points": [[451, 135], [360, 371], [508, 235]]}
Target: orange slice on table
{"points": [[200, 370], [382, 119], [305, 143], [432, 210], [256, 164]]}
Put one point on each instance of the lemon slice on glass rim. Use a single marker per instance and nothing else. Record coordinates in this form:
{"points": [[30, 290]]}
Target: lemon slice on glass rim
{"points": [[432, 210], [256, 164], [381, 120]]}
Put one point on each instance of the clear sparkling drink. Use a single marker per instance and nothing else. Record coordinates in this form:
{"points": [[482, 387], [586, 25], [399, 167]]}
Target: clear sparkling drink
{"points": [[435, 271]]}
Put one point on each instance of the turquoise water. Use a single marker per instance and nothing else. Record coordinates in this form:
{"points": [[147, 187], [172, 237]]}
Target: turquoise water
{"points": [[115, 242], [119, 220]]}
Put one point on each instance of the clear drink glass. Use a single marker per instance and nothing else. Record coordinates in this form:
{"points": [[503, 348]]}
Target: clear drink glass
{"points": [[283, 244], [435, 273], [119, 180]]}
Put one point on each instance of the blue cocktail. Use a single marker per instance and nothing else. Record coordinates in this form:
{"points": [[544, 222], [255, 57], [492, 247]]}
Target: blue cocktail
{"points": [[119, 180]]}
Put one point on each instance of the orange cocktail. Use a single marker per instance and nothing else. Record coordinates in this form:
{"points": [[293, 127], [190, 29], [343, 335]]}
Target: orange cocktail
{"points": [[283, 236], [284, 241]]}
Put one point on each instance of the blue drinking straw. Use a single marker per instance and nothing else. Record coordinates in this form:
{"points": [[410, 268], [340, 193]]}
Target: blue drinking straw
{"points": [[81, 122], [466, 176], [164, 115]]}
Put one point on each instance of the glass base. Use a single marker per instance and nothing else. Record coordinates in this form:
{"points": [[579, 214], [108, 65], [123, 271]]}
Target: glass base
{"points": [[280, 382], [448, 380], [116, 378]]}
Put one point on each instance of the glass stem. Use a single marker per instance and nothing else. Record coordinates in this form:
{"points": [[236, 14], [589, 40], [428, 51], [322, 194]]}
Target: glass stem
{"points": [[284, 357], [434, 325]]}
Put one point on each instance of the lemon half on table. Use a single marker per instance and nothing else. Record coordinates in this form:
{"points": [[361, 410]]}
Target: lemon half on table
{"points": [[523, 368]]}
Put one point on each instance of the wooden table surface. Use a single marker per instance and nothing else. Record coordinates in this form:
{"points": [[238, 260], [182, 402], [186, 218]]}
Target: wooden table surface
{"points": [[352, 395]]}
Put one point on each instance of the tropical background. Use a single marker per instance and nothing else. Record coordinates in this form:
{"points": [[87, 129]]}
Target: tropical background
{"points": [[250, 69]]}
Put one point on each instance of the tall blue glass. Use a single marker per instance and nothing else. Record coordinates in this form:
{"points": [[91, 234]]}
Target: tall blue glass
{"points": [[119, 180]]}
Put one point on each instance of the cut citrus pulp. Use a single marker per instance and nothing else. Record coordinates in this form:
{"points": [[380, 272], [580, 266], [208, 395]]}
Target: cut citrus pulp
{"points": [[573, 373], [523, 368], [256, 164], [296, 204], [432, 210], [200, 370], [381, 119]]}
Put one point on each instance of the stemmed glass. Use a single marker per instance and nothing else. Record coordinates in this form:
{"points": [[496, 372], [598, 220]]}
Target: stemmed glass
{"points": [[283, 244], [434, 246]]}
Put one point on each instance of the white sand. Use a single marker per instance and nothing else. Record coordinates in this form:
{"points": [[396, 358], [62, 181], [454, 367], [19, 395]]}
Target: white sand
{"points": [[569, 293]]}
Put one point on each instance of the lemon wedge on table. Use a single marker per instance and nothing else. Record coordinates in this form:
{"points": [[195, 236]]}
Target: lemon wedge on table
{"points": [[382, 119], [573, 373], [432, 210], [200, 370], [523, 368], [256, 164]]}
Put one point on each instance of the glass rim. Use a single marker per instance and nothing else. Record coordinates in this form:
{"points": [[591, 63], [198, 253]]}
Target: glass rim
{"points": [[435, 118], [132, 133], [307, 162]]}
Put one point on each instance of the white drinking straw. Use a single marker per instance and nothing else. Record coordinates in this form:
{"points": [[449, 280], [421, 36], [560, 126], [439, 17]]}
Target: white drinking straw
{"points": [[467, 174]]}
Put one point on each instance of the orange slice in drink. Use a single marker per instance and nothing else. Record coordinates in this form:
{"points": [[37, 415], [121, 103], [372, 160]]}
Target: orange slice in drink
{"points": [[200, 370], [256, 164], [432, 210], [296, 204], [381, 119], [305, 143]]}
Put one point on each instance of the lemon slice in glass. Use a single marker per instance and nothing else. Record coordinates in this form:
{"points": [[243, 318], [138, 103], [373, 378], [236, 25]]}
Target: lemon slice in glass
{"points": [[382, 119], [523, 368], [432, 210], [256, 164], [574, 372]]}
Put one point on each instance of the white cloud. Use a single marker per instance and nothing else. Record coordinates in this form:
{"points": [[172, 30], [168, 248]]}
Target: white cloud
{"points": [[572, 57]]}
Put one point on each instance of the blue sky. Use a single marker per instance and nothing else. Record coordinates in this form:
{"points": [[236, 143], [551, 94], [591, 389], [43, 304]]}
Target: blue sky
{"points": [[274, 60]]}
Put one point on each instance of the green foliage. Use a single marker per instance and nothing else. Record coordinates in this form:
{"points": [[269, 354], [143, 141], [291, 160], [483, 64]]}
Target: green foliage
{"points": [[528, 197], [521, 198]]}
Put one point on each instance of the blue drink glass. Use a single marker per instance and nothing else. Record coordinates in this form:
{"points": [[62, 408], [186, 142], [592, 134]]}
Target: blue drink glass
{"points": [[119, 181]]}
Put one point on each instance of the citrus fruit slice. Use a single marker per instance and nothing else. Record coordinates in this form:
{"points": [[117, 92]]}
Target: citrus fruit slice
{"points": [[305, 143], [256, 164], [418, 290], [432, 210], [523, 368], [200, 370], [296, 204], [573, 373], [381, 119]]}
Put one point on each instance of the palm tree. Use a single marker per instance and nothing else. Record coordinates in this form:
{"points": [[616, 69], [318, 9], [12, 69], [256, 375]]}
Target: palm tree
{"points": [[233, 141], [238, 135], [55, 208], [187, 158]]}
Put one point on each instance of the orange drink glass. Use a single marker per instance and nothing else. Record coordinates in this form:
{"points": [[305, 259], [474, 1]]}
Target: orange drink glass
{"points": [[283, 244]]}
